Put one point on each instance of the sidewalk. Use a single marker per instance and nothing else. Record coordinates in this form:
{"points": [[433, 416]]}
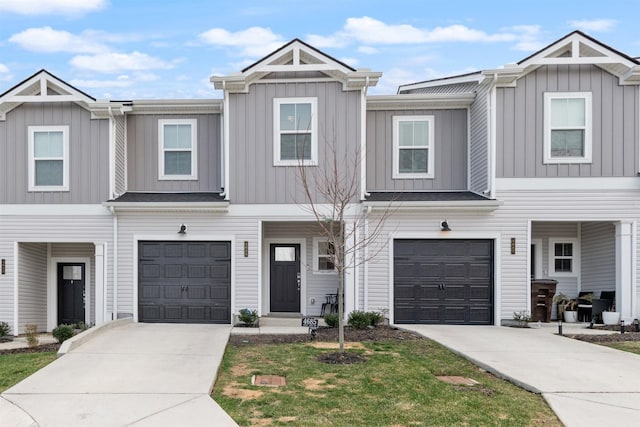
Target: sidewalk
{"points": [[585, 384]]}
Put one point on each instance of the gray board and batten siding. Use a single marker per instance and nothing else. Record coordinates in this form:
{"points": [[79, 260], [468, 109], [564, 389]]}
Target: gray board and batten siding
{"points": [[88, 151], [253, 176], [450, 148], [521, 124], [142, 154]]}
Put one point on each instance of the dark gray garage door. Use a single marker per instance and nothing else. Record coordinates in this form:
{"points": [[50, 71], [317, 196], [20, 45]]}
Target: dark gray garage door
{"points": [[443, 281], [184, 282]]}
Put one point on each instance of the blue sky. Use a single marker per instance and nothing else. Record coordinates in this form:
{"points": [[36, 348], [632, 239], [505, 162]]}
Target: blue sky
{"points": [[140, 49]]}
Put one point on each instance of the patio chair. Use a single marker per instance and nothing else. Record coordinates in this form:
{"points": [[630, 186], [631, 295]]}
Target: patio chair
{"points": [[604, 303], [585, 306]]}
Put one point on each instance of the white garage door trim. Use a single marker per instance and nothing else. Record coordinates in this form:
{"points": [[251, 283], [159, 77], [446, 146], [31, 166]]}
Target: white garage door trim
{"points": [[180, 238], [497, 251]]}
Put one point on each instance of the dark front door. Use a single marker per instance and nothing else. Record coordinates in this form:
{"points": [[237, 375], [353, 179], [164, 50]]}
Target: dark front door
{"points": [[443, 281], [285, 278], [184, 282], [71, 282]]}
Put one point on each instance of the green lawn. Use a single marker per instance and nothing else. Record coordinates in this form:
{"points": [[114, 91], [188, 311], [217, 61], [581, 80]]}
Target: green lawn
{"points": [[396, 386], [16, 367], [630, 346]]}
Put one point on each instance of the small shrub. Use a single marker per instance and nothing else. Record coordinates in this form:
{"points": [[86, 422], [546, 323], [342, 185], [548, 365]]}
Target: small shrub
{"points": [[248, 317], [522, 318], [5, 329], [81, 326], [359, 319], [331, 319], [63, 333], [375, 318], [31, 331]]}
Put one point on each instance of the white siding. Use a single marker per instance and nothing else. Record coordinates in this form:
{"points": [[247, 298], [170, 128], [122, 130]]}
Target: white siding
{"points": [[120, 155], [200, 226], [32, 285], [598, 257]]}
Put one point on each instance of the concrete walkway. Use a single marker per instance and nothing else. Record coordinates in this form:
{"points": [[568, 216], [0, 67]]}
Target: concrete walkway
{"points": [[135, 374], [585, 384]]}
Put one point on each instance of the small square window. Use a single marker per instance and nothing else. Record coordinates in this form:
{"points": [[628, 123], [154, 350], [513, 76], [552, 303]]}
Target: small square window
{"points": [[567, 137], [563, 257], [323, 256], [177, 150], [48, 158], [413, 146]]}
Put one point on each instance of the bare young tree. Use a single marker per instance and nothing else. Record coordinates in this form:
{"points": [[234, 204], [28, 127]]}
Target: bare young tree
{"points": [[332, 191]]}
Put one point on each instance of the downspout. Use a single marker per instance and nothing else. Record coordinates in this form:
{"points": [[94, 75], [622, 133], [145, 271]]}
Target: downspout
{"points": [[363, 140], [112, 155], [365, 268], [225, 141], [114, 315], [491, 146]]}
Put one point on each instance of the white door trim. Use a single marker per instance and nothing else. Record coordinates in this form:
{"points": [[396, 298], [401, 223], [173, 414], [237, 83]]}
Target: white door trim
{"points": [[266, 274], [52, 289]]}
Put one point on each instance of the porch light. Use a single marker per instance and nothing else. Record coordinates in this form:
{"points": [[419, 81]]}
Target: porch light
{"points": [[444, 226], [183, 229]]}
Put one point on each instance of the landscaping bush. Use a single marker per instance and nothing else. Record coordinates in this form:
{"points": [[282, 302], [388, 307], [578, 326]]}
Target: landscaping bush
{"points": [[331, 320], [5, 329], [63, 333], [359, 319], [248, 317], [31, 331], [375, 318]]}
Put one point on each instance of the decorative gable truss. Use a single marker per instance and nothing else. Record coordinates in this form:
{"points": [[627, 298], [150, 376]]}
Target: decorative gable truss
{"points": [[575, 48], [44, 87], [299, 61]]}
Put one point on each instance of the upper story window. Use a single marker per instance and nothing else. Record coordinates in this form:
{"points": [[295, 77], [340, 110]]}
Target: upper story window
{"points": [[295, 131], [323, 253], [413, 146], [563, 257], [48, 158], [567, 133], [177, 149]]}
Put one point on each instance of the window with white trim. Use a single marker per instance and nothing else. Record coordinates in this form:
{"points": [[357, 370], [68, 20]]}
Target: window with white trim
{"points": [[177, 149], [48, 158], [413, 146], [563, 257], [323, 256], [295, 131], [567, 122]]}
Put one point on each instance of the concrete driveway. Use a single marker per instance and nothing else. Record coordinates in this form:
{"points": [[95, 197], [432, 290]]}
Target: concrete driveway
{"points": [[585, 384], [136, 374]]}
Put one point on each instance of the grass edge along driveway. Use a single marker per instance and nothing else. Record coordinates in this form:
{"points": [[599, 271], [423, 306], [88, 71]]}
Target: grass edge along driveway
{"points": [[396, 386]]}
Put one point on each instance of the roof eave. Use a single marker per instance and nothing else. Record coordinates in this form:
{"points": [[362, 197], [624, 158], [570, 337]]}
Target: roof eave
{"points": [[420, 100], [222, 206], [460, 205]]}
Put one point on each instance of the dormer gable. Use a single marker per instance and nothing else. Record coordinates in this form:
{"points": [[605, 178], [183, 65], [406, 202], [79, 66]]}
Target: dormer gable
{"points": [[297, 60], [44, 87], [574, 48]]}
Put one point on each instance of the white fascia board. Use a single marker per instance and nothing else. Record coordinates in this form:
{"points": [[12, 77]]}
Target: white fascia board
{"points": [[168, 206], [568, 184], [53, 210], [420, 101], [176, 106], [291, 212], [462, 205]]}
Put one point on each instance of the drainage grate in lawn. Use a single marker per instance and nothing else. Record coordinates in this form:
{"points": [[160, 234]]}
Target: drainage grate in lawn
{"points": [[457, 380], [268, 380]]}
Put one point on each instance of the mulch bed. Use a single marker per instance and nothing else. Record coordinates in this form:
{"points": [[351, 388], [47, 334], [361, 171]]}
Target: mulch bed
{"points": [[37, 349], [627, 336]]}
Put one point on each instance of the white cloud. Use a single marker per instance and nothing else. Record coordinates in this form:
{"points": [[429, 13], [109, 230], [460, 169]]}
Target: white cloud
{"points": [[57, 7], [117, 62], [253, 42], [322, 42], [372, 31], [352, 62], [595, 25], [46, 39], [528, 38], [101, 83], [4, 69]]}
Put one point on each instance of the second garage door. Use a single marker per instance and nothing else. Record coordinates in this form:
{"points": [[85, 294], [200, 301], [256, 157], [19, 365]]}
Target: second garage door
{"points": [[184, 282], [443, 281]]}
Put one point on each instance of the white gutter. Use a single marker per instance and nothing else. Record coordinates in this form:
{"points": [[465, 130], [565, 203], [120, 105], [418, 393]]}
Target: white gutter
{"points": [[491, 148], [112, 156], [363, 141], [115, 266], [225, 142], [365, 267]]}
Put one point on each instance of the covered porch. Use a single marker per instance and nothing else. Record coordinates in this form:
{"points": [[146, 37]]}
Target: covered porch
{"points": [[58, 283], [595, 258]]}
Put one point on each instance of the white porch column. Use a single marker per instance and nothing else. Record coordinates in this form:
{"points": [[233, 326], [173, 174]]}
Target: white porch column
{"points": [[101, 301], [625, 265], [350, 271]]}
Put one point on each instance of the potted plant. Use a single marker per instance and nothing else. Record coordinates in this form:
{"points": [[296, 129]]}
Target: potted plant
{"points": [[521, 318], [610, 316], [567, 307]]}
